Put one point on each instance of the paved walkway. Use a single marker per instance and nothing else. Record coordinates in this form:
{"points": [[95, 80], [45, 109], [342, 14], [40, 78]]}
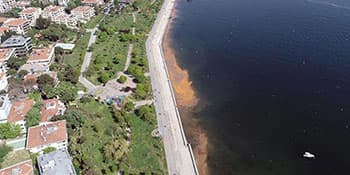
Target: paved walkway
{"points": [[179, 156], [131, 46], [87, 59]]}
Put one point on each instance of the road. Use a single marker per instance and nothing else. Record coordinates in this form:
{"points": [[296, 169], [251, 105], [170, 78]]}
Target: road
{"points": [[179, 156]]}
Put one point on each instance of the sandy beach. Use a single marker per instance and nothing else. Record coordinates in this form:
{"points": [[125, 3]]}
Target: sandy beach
{"points": [[187, 100]]}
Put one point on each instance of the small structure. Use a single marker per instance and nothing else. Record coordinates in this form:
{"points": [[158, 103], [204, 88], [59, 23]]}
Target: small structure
{"points": [[18, 25], [22, 168], [18, 112], [47, 135], [21, 44], [51, 108], [56, 163], [3, 78], [5, 106], [31, 14], [65, 46], [83, 13]]}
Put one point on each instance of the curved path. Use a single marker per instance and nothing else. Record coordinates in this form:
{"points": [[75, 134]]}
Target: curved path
{"points": [[179, 156]]}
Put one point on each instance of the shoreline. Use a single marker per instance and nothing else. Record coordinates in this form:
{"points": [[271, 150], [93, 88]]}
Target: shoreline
{"points": [[179, 154], [187, 100]]}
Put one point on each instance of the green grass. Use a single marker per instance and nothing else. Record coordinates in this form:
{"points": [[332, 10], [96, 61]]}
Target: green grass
{"points": [[146, 153], [93, 22], [76, 58], [106, 51], [99, 129], [15, 157]]}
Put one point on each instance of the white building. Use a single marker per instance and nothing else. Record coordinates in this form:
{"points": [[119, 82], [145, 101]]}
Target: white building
{"points": [[31, 14], [6, 5], [3, 78], [18, 25], [57, 15], [48, 135], [5, 106], [22, 45], [52, 12], [83, 13], [57, 162]]}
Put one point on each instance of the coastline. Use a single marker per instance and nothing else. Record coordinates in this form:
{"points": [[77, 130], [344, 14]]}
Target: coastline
{"points": [[178, 151], [187, 100]]}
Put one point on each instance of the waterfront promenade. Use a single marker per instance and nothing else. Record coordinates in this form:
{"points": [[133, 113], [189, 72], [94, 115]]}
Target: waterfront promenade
{"points": [[179, 156]]}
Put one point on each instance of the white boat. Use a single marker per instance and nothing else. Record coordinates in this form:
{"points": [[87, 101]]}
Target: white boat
{"points": [[309, 155]]}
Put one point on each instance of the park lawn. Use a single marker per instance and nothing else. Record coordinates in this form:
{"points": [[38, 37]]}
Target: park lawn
{"points": [[93, 22], [106, 51], [118, 22], [146, 153], [75, 59], [99, 128]]}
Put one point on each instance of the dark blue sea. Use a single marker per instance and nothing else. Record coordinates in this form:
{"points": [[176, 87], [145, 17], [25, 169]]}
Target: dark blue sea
{"points": [[273, 79]]}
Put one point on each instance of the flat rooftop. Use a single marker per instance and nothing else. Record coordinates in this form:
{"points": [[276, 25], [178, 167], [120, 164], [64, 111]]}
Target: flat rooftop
{"points": [[56, 163], [14, 41]]}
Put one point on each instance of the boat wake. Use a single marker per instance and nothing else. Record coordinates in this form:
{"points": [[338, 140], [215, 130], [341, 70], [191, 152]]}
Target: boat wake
{"points": [[331, 4]]}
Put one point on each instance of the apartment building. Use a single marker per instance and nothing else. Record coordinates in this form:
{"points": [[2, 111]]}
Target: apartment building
{"points": [[83, 13], [31, 14], [21, 44]]}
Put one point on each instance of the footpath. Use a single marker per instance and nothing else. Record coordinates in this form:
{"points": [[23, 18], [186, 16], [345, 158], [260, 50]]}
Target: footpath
{"points": [[179, 155]]}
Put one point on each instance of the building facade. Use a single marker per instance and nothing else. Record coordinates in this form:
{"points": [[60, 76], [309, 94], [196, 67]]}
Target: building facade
{"points": [[21, 44], [31, 14]]}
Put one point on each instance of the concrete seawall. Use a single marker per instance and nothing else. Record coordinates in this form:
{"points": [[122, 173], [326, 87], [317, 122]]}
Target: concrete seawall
{"points": [[179, 154]]}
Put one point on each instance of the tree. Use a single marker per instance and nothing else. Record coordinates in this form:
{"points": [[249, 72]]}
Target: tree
{"points": [[129, 106], [9, 130], [122, 79], [4, 150], [42, 23], [115, 149], [104, 77], [22, 73], [15, 62], [59, 54], [45, 80], [49, 149], [75, 118], [147, 113], [140, 91], [67, 92], [13, 13], [7, 35], [49, 91], [33, 117]]}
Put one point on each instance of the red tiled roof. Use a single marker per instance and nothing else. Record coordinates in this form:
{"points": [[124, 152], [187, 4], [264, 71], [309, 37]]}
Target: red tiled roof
{"points": [[50, 109], [82, 9], [5, 53], [19, 110], [22, 168], [16, 22], [47, 134], [2, 19], [29, 10], [3, 29], [40, 54]]}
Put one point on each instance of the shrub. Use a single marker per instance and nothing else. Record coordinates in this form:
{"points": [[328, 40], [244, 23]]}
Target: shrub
{"points": [[122, 79]]}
